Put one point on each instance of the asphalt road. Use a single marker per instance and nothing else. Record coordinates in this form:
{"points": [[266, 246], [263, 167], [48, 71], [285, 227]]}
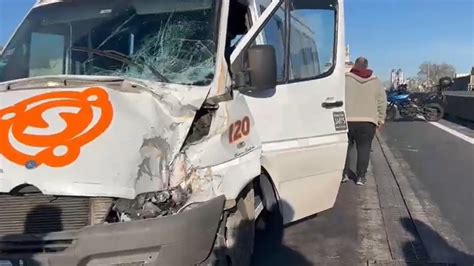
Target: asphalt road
{"points": [[442, 166], [351, 234], [383, 223]]}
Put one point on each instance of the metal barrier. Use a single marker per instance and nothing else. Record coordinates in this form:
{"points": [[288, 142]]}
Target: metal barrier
{"points": [[460, 104]]}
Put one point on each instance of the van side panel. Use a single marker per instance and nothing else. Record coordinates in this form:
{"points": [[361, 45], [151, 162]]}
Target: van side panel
{"points": [[303, 149], [302, 189]]}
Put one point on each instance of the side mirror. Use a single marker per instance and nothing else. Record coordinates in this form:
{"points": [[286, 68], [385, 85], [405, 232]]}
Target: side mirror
{"points": [[259, 71], [445, 82]]}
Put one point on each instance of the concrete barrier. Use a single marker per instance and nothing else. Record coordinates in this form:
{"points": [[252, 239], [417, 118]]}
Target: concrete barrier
{"points": [[460, 104]]}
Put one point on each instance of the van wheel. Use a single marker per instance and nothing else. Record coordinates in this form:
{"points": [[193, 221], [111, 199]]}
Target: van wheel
{"points": [[240, 231]]}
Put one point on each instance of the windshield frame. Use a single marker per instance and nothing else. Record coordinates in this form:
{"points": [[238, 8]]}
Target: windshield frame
{"points": [[218, 52]]}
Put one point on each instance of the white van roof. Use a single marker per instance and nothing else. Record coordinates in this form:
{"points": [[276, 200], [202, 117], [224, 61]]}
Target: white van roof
{"points": [[47, 2]]}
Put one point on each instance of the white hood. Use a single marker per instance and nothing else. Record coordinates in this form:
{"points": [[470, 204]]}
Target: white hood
{"points": [[107, 141]]}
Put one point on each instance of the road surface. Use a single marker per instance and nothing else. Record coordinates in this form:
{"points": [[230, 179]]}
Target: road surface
{"points": [[417, 208], [443, 165]]}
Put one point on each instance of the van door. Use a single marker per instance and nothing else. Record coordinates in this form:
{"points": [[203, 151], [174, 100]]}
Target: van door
{"points": [[302, 121]]}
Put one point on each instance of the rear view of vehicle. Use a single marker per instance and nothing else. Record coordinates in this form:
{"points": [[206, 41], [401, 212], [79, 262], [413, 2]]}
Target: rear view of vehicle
{"points": [[402, 103]]}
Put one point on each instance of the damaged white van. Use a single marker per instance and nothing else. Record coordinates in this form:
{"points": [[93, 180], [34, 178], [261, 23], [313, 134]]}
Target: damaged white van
{"points": [[155, 132]]}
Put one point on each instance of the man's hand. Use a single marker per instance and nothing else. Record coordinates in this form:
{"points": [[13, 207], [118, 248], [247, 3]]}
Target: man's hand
{"points": [[380, 127]]}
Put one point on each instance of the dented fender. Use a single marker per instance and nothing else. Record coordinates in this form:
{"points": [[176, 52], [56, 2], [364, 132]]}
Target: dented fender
{"points": [[135, 151], [229, 157]]}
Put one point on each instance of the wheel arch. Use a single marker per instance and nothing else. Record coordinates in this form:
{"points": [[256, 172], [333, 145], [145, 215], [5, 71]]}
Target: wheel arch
{"points": [[267, 188]]}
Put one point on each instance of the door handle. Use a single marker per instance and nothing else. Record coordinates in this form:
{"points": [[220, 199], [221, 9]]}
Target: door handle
{"points": [[330, 105]]}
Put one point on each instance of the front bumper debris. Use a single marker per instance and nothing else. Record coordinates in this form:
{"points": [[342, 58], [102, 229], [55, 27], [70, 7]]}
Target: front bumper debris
{"points": [[182, 239]]}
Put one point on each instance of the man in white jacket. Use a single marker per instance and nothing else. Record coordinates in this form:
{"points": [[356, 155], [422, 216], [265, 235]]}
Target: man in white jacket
{"points": [[366, 104]]}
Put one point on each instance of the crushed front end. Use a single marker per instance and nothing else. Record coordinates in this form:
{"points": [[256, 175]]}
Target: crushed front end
{"points": [[43, 230], [129, 196], [94, 130]]}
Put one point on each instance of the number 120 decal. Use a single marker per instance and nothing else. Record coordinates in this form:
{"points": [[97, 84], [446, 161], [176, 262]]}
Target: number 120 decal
{"points": [[239, 129]]}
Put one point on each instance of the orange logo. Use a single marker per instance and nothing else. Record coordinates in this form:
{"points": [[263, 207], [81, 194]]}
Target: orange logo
{"points": [[78, 126]]}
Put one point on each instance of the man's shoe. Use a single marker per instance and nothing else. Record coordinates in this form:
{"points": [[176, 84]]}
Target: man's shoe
{"points": [[345, 178], [361, 181]]}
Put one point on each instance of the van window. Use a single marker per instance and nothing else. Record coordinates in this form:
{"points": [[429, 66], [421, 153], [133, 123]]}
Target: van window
{"points": [[159, 40], [46, 54], [312, 39], [274, 34]]}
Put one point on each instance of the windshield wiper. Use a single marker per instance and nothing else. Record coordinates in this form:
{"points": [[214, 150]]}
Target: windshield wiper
{"points": [[121, 58]]}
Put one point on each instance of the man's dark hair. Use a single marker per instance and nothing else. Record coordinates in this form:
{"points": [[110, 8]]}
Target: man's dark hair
{"points": [[362, 62]]}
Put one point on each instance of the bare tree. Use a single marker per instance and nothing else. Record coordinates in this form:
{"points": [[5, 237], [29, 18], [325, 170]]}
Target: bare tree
{"points": [[414, 84], [387, 84], [431, 73]]}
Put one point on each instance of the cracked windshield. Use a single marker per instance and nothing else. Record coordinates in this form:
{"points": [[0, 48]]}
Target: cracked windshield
{"points": [[166, 41]]}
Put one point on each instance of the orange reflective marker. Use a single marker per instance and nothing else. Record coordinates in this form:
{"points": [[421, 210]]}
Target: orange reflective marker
{"points": [[61, 148]]}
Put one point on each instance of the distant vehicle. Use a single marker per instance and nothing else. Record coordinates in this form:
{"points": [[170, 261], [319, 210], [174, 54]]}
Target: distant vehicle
{"points": [[431, 107]]}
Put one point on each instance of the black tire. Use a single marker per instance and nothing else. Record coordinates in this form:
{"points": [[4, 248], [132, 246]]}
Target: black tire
{"points": [[240, 231], [265, 191], [391, 113], [433, 112], [408, 116], [235, 242]]}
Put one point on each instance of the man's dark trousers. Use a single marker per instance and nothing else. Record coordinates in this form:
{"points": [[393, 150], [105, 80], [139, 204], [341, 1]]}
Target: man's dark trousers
{"points": [[361, 134]]}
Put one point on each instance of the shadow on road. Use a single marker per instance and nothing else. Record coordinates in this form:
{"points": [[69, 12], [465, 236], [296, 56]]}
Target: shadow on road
{"points": [[269, 247], [441, 247]]}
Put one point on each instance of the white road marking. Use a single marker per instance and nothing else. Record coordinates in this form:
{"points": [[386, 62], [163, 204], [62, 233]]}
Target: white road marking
{"points": [[408, 149], [453, 132]]}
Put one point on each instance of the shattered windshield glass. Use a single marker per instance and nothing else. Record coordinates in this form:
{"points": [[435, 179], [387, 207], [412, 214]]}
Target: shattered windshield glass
{"points": [[159, 40]]}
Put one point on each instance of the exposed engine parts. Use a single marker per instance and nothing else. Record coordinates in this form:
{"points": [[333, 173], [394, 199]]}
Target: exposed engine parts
{"points": [[149, 205]]}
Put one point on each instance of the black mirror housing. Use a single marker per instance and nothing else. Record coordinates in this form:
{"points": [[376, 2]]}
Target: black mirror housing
{"points": [[259, 71]]}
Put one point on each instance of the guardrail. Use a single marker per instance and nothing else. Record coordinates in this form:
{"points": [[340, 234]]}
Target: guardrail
{"points": [[460, 104]]}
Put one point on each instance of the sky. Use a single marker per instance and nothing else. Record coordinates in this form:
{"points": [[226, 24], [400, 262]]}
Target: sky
{"points": [[405, 33], [390, 33]]}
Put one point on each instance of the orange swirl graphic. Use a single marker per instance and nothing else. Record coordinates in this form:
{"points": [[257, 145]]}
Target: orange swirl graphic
{"points": [[58, 149]]}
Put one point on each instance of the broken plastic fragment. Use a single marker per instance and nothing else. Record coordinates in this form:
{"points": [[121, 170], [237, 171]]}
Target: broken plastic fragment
{"points": [[150, 205]]}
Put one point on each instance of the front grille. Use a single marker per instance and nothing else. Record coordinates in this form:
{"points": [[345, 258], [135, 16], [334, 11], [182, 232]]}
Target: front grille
{"points": [[40, 214], [16, 244]]}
